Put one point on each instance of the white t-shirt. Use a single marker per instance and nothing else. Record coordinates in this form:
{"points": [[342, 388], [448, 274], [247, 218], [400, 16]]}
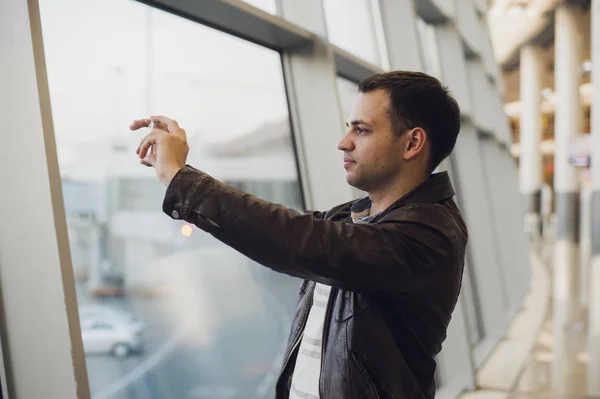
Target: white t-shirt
{"points": [[305, 381]]}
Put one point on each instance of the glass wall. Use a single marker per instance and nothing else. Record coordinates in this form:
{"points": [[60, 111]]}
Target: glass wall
{"points": [[352, 26], [166, 311]]}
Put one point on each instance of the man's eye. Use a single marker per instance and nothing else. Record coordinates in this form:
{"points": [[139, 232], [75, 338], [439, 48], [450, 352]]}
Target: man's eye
{"points": [[361, 131]]}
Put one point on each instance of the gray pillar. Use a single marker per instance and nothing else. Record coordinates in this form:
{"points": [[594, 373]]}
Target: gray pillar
{"points": [[593, 380], [530, 165], [40, 335], [568, 118]]}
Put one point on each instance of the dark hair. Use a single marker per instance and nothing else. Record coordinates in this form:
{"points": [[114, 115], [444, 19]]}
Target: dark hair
{"points": [[420, 100]]}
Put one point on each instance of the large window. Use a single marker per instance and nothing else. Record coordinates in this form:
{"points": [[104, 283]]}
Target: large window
{"points": [[356, 27], [166, 310]]}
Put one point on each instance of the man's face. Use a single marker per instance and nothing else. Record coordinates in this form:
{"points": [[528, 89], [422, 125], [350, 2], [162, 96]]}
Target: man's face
{"points": [[373, 153]]}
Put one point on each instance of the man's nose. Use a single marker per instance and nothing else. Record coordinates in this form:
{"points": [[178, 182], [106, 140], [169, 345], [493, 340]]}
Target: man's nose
{"points": [[345, 143]]}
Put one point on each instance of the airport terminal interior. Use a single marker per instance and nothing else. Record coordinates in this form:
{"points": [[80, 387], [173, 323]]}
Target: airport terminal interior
{"points": [[102, 296]]}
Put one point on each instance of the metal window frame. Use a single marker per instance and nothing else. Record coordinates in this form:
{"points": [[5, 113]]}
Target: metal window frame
{"points": [[436, 11], [35, 273]]}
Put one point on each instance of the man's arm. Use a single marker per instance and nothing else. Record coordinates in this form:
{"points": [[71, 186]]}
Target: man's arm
{"points": [[385, 258]]}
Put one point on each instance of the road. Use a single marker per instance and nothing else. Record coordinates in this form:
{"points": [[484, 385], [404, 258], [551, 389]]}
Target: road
{"points": [[220, 335]]}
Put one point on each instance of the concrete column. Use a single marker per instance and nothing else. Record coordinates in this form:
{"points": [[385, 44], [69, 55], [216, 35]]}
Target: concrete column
{"points": [[568, 118], [530, 168], [40, 335], [594, 290]]}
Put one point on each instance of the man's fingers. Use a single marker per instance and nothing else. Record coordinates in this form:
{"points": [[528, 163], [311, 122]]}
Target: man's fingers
{"points": [[148, 141], [142, 141], [154, 132], [161, 126], [172, 125], [139, 123]]}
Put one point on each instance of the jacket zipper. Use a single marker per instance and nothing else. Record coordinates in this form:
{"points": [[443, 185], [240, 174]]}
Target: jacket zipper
{"points": [[332, 294]]}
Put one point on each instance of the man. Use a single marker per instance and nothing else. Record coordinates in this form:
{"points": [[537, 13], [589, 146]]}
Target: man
{"points": [[382, 274]]}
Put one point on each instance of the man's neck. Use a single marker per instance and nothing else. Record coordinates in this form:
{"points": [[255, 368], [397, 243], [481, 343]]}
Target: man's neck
{"points": [[383, 198]]}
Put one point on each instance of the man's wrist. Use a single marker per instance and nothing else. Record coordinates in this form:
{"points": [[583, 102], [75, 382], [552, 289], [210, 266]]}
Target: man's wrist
{"points": [[168, 173]]}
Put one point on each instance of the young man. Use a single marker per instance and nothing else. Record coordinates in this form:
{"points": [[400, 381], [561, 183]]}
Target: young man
{"points": [[382, 274]]}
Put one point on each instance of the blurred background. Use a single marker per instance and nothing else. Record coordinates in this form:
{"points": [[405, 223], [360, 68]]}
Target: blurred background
{"points": [[103, 296]]}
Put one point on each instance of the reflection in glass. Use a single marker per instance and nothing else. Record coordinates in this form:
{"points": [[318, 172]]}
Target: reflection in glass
{"points": [[166, 310], [355, 26]]}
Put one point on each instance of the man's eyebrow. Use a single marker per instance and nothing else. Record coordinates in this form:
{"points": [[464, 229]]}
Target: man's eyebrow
{"points": [[358, 122]]}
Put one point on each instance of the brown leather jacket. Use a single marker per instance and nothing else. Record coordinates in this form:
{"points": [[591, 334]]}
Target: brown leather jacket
{"points": [[395, 280]]}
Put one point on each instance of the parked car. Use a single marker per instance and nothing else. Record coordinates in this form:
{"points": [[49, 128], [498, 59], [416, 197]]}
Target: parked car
{"points": [[106, 330]]}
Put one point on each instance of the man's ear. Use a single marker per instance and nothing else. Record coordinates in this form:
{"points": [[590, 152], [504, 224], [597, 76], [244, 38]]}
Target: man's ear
{"points": [[416, 140]]}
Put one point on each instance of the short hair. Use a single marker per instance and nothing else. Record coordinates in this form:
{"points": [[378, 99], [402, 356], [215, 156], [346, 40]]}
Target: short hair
{"points": [[420, 100]]}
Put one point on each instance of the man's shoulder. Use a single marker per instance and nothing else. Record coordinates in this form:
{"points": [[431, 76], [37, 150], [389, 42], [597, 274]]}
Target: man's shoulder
{"points": [[430, 213], [417, 210]]}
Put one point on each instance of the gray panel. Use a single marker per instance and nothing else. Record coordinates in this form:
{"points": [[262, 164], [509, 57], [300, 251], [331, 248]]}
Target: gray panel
{"points": [[501, 182], [454, 361], [472, 304], [468, 168], [519, 243], [453, 66], [487, 53], [480, 96], [399, 24], [532, 202], [435, 11], [567, 216], [467, 23], [239, 19], [502, 130], [596, 223], [429, 48]]}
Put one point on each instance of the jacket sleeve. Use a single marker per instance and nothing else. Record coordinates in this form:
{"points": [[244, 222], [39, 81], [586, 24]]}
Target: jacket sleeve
{"points": [[386, 258]]}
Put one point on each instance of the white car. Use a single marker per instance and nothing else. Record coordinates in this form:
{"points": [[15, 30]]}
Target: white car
{"points": [[107, 311], [106, 330]]}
